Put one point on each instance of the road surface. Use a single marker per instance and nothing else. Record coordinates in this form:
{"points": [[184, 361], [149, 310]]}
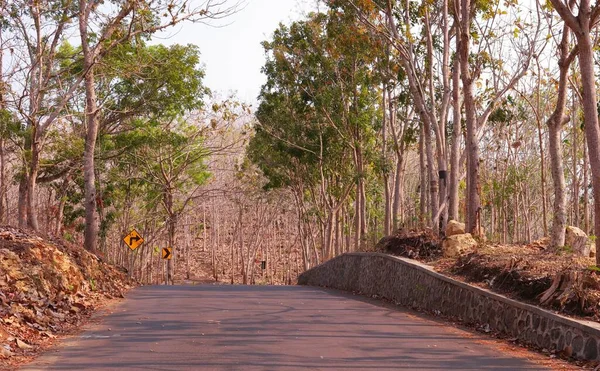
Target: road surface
{"points": [[243, 328]]}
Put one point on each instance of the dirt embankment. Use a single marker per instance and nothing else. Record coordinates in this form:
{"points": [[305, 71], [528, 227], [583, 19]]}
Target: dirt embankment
{"points": [[47, 288], [421, 245], [531, 273]]}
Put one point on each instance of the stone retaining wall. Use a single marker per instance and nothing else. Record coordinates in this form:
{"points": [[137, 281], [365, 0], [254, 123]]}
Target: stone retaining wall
{"points": [[412, 284]]}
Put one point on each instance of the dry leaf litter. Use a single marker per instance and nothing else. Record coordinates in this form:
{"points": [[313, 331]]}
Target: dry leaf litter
{"points": [[46, 288]]}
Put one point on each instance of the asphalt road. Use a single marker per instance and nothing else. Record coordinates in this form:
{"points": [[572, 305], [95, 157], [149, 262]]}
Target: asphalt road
{"points": [[270, 328]]}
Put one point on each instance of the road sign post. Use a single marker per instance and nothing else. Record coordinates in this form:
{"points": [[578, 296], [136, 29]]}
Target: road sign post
{"points": [[167, 253], [133, 240]]}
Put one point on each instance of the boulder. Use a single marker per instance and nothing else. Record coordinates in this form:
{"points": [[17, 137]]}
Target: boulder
{"points": [[577, 240], [457, 245], [453, 228]]}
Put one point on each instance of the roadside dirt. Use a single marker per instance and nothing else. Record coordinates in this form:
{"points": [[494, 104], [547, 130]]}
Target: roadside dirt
{"points": [[48, 288], [421, 245], [559, 281]]}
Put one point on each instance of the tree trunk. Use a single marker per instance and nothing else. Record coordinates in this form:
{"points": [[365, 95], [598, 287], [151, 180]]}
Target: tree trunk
{"points": [[3, 206], [204, 227], [456, 131], [89, 176], [472, 146], [338, 233], [443, 122], [91, 120], [34, 164], [398, 192], [559, 222], [171, 226], [22, 207], [61, 209], [359, 202], [357, 235], [542, 157], [363, 210], [592, 130], [400, 147], [329, 234], [586, 196], [387, 222], [429, 125], [187, 247], [555, 124], [438, 181], [433, 179], [213, 244], [423, 180], [3, 129], [574, 159]]}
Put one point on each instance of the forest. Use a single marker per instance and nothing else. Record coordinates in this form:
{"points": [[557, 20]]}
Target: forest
{"points": [[380, 115], [376, 116]]}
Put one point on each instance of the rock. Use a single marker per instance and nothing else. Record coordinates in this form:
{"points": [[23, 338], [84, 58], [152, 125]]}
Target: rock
{"points": [[576, 239], [23, 345], [457, 245], [453, 228]]}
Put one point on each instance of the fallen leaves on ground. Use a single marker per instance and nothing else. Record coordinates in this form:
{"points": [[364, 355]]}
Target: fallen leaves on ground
{"points": [[557, 280], [46, 288], [560, 280], [411, 243]]}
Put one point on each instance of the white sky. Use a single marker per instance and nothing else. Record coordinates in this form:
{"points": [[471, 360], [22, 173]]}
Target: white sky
{"points": [[232, 54]]}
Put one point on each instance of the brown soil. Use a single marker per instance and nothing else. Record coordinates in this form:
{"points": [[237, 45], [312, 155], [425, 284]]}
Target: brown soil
{"points": [[559, 281]]}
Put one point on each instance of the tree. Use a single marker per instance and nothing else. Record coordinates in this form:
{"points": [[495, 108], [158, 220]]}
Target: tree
{"points": [[121, 24], [49, 22], [582, 25], [171, 162], [318, 108], [556, 122]]}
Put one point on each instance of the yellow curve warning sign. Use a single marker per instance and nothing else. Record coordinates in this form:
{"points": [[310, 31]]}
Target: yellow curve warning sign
{"points": [[133, 239]]}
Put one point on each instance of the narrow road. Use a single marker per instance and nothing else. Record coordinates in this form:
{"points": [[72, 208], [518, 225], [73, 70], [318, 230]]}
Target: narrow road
{"points": [[270, 328]]}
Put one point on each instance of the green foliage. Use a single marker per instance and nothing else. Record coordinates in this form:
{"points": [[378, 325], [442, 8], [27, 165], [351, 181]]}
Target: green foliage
{"points": [[169, 160], [68, 237], [145, 91], [155, 81], [9, 125], [92, 283], [501, 115], [594, 268], [318, 103]]}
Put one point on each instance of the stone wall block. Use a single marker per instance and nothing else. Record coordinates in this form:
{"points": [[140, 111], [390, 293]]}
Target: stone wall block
{"points": [[413, 284]]}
